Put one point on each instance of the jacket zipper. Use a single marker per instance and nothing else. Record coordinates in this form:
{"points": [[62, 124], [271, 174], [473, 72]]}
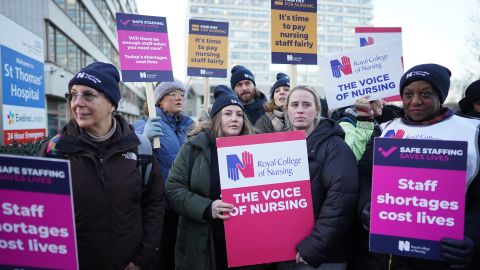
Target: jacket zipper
{"points": [[390, 262]]}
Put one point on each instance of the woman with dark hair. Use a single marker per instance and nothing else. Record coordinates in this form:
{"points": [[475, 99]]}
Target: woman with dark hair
{"points": [[423, 89], [274, 120], [193, 186], [334, 184]]}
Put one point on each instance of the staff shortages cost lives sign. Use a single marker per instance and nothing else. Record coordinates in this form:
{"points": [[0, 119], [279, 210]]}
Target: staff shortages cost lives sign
{"points": [[418, 196], [266, 178], [37, 228]]}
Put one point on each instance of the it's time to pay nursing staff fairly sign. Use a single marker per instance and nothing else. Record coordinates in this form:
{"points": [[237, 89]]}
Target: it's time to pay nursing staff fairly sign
{"points": [[266, 178], [418, 196], [207, 48]]}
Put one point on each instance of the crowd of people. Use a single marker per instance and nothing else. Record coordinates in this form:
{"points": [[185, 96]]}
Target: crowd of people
{"points": [[171, 216]]}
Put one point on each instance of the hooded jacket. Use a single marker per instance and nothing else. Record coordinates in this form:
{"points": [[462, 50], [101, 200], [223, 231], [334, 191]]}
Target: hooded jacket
{"points": [[116, 220], [175, 129], [190, 198], [334, 184]]}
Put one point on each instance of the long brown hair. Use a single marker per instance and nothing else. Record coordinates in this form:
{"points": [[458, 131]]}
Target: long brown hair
{"points": [[214, 124]]}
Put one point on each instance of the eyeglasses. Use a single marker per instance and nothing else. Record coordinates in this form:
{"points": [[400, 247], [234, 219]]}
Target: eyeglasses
{"points": [[176, 95], [87, 96]]}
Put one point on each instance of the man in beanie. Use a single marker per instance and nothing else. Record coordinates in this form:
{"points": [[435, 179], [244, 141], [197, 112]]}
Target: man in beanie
{"points": [[274, 118], [470, 104], [117, 226], [423, 89], [172, 126], [243, 83]]}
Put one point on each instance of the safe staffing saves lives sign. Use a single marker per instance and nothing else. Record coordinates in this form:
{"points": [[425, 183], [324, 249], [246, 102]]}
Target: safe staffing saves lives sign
{"points": [[266, 178], [37, 229], [418, 196]]}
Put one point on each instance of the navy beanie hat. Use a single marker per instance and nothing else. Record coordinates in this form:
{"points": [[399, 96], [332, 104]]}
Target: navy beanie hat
{"points": [[240, 73], [103, 77], [438, 76], [472, 94], [224, 96], [282, 80]]}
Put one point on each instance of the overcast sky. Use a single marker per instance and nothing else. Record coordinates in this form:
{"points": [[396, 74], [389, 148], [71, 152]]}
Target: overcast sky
{"points": [[432, 30]]}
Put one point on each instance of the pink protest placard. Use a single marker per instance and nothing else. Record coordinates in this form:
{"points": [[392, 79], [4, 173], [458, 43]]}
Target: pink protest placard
{"points": [[144, 48], [37, 228], [266, 178], [418, 196]]}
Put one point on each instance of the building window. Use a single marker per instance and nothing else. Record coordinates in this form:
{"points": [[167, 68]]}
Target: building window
{"points": [[80, 15], [62, 51], [57, 116]]}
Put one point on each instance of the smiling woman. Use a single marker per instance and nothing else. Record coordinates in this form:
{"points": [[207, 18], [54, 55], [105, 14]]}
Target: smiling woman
{"points": [[102, 150]]}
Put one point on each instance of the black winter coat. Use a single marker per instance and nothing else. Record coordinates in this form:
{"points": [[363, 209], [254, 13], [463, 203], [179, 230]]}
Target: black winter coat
{"points": [[377, 261], [116, 222], [255, 110], [334, 184]]}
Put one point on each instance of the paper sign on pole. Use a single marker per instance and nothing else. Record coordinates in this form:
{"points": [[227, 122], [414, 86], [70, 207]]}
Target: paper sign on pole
{"points": [[144, 49], [418, 196], [373, 71], [37, 228], [294, 32], [266, 178], [373, 35], [207, 49]]}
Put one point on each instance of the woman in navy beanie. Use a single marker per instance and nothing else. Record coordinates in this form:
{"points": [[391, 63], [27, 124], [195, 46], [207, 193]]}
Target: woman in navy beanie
{"points": [[118, 221], [193, 186], [423, 89], [274, 119]]}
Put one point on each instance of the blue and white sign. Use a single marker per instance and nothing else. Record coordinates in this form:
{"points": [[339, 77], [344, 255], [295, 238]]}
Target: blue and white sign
{"points": [[22, 81]]}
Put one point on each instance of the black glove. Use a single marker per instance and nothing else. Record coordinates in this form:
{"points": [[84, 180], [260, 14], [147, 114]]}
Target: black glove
{"points": [[365, 216], [458, 253]]}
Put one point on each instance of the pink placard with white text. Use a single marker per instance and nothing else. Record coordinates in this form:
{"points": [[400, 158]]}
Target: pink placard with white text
{"points": [[266, 178]]}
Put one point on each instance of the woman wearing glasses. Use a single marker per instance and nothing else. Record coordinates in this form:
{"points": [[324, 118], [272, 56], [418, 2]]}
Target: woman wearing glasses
{"points": [[171, 125], [117, 217]]}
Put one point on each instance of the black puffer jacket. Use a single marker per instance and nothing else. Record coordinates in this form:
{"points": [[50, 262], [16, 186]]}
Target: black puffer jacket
{"points": [[116, 222], [255, 110], [334, 183]]}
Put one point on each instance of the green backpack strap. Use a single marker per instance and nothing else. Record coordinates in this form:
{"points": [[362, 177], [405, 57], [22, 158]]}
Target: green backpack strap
{"points": [[145, 158]]}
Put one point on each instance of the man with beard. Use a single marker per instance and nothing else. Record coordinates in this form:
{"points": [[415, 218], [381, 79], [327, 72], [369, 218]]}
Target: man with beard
{"points": [[243, 83]]}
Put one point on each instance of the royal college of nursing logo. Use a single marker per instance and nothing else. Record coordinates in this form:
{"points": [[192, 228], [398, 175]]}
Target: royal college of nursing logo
{"points": [[365, 41], [394, 134], [344, 67], [245, 166]]}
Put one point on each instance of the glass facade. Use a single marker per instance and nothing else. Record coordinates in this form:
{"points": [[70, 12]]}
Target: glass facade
{"points": [[64, 52], [83, 19]]}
